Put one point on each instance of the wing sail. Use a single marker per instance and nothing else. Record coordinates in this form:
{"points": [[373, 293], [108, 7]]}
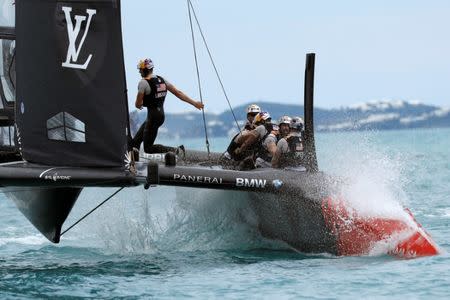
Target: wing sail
{"points": [[71, 106]]}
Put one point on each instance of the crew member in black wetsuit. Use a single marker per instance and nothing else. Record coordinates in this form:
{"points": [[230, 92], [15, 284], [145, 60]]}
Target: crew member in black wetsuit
{"points": [[152, 90]]}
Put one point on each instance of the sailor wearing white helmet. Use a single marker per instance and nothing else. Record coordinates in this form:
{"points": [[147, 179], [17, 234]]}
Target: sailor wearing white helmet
{"points": [[269, 144], [284, 126], [290, 148], [252, 141], [252, 111], [298, 125]]}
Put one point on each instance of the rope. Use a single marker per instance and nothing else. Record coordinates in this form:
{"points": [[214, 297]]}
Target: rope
{"points": [[82, 218], [10, 69], [198, 78], [212, 62]]}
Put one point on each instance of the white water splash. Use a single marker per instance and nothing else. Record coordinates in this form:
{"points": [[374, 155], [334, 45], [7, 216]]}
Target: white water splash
{"points": [[24, 240], [171, 219], [374, 180], [374, 183], [182, 219]]}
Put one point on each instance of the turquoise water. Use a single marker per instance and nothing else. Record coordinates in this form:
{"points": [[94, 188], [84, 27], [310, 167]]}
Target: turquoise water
{"points": [[179, 243]]}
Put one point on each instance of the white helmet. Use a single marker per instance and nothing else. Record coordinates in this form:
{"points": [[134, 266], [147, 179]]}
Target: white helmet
{"points": [[285, 120], [253, 109], [297, 123]]}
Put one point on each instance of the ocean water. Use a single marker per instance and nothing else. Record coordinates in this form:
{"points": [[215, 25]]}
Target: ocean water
{"points": [[179, 243]]}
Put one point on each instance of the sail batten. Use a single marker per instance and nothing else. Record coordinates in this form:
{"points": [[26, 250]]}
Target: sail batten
{"points": [[71, 107]]}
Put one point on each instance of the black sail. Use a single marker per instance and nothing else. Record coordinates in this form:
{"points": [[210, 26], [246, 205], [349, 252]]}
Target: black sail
{"points": [[71, 106]]}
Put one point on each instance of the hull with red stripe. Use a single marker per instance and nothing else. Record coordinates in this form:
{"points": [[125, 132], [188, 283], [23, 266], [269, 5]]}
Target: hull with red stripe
{"points": [[311, 221]]}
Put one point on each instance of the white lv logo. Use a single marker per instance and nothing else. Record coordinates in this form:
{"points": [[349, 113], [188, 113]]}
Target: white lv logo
{"points": [[73, 51]]}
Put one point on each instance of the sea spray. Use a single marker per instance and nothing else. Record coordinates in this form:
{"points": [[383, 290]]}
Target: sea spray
{"points": [[184, 219], [128, 223], [166, 219], [373, 178], [214, 220], [373, 182]]}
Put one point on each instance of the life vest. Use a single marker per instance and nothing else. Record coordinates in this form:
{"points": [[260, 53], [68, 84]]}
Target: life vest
{"points": [[249, 126], [158, 92], [295, 144], [295, 154], [262, 152]]}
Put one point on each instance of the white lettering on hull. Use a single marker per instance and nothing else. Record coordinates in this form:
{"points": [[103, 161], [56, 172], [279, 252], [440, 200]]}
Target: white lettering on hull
{"points": [[197, 179], [245, 182], [56, 177]]}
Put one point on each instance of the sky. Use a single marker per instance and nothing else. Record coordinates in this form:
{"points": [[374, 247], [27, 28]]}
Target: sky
{"points": [[365, 50]]}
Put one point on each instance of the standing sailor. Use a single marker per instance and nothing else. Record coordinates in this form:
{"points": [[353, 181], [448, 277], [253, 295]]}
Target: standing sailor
{"points": [[152, 91]]}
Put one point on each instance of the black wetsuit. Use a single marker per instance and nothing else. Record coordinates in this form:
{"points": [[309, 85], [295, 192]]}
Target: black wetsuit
{"points": [[155, 117]]}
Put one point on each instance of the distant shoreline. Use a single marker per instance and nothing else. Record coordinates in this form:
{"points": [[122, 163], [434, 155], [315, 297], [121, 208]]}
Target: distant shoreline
{"points": [[374, 115]]}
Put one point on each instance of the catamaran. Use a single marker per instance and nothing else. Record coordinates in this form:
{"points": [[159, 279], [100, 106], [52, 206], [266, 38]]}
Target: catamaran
{"points": [[65, 127]]}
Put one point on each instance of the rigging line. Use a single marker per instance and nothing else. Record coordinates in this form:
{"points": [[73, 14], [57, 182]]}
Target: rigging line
{"points": [[198, 77], [92, 210], [10, 69], [214, 65]]}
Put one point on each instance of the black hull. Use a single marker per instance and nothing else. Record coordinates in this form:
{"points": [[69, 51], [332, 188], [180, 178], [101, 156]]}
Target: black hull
{"points": [[295, 214], [300, 208], [292, 212], [28, 174], [46, 194], [299, 222], [46, 208]]}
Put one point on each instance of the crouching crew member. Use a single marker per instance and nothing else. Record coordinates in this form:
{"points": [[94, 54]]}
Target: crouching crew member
{"points": [[252, 111], [269, 145], [289, 151], [250, 142], [152, 91]]}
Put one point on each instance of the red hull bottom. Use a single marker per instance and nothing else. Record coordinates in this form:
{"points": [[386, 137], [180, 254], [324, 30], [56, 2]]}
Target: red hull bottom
{"points": [[357, 235]]}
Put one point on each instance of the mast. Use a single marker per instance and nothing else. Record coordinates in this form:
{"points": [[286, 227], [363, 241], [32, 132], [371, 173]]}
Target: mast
{"points": [[310, 160]]}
